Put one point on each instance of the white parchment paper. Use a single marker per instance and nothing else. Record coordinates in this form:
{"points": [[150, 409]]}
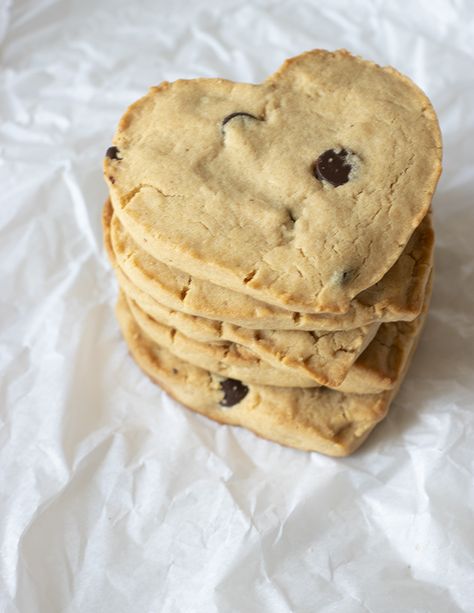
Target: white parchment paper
{"points": [[115, 499]]}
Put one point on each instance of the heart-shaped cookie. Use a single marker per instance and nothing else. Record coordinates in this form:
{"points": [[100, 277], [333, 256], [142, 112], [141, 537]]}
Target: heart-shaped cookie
{"points": [[301, 192], [317, 419]]}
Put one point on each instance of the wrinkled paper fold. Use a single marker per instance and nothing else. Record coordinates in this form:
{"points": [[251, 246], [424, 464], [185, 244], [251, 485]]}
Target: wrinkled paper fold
{"points": [[114, 498]]}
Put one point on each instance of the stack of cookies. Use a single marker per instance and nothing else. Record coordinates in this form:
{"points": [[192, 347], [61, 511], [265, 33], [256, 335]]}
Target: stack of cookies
{"points": [[273, 244]]}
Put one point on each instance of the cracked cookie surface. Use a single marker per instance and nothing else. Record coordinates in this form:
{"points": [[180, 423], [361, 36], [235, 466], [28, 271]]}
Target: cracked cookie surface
{"points": [[398, 296], [375, 370], [318, 360]]}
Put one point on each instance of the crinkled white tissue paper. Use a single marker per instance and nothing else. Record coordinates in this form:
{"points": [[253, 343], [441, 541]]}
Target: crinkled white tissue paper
{"points": [[113, 498]]}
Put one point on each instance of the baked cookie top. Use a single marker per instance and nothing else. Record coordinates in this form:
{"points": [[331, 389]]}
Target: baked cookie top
{"points": [[301, 191]]}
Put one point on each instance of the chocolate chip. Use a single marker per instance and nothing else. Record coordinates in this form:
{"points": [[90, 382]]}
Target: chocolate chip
{"points": [[113, 153], [234, 392], [111, 179], [343, 277], [239, 114], [175, 371], [347, 276], [333, 167]]}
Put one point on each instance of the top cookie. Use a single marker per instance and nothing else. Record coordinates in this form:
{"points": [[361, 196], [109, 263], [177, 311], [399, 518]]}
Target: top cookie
{"points": [[301, 191]]}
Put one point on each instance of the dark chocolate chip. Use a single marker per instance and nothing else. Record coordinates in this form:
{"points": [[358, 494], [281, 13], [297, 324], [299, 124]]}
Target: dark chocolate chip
{"points": [[296, 317], [234, 392], [113, 153], [346, 276], [343, 277], [111, 179], [239, 114], [333, 167], [175, 371]]}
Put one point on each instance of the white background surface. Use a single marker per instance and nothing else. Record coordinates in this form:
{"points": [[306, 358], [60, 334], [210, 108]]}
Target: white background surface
{"points": [[112, 497]]}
